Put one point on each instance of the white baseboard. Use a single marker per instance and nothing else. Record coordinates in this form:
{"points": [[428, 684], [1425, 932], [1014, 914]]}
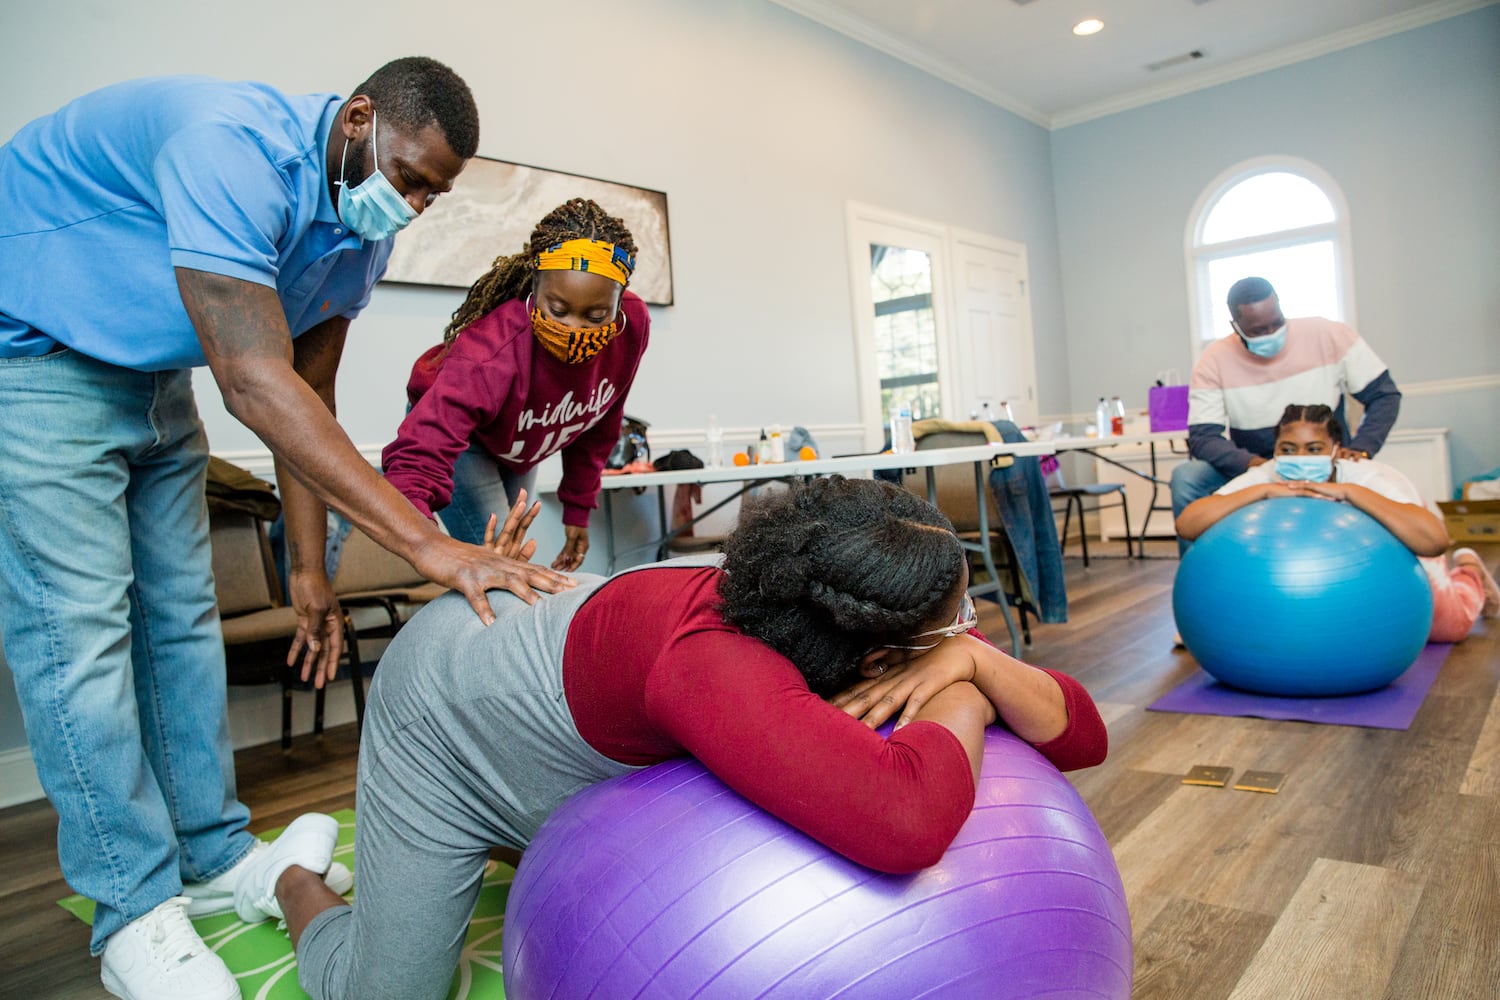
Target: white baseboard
{"points": [[18, 780], [255, 712], [254, 719]]}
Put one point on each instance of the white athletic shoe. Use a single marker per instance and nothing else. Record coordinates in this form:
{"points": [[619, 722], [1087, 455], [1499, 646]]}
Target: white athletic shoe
{"points": [[206, 899], [161, 957], [307, 842]]}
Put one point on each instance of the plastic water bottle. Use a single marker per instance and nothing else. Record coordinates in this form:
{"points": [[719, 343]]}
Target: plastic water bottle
{"points": [[902, 442], [1116, 416], [715, 443], [1102, 418], [778, 444]]}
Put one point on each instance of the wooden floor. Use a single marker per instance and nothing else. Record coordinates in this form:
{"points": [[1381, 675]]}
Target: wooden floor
{"points": [[1374, 873]]}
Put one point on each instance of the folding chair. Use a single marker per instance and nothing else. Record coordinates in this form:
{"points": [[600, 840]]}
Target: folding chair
{"points": [[1073, 498], [258, 629]]}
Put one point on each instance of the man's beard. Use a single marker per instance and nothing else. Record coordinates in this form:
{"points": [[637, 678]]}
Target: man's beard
{"points": [[355, 169]]}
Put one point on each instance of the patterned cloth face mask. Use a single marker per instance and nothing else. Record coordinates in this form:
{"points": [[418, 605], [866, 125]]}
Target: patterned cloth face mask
{"points": [[572, 344]]}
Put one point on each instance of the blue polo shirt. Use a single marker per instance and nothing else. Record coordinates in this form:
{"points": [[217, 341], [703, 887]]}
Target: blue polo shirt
{"points": [[106, 196]]}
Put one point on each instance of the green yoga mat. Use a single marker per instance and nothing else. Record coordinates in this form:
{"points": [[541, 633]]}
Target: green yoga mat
{"points": [[260, 955]]}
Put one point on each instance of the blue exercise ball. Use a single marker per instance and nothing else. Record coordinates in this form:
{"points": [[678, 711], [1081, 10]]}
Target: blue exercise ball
{"points": [[665, 884], [1302, 597]]}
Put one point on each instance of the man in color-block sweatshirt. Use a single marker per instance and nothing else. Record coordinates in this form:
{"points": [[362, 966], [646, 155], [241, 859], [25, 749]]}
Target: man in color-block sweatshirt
{"points": [[1242, 382]]}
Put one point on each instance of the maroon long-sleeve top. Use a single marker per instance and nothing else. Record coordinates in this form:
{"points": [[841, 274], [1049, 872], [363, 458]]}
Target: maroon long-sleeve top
{"points": [[680, 680]]}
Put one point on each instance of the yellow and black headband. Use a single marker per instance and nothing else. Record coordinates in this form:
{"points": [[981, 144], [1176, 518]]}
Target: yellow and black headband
{"points": [[593, 256]]}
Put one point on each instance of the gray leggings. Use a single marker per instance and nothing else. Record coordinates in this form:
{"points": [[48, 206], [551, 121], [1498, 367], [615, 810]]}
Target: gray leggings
{"points": [[468, 744]]}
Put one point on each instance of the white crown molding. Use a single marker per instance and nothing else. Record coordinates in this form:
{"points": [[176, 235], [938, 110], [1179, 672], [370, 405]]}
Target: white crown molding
{"points": [[1301, 52], [1448, 386], [862, 31], [841, 21]]}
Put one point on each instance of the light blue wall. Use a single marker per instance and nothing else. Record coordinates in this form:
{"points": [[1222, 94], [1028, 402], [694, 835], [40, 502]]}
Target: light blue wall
{"points": [[1409, 127], [759, 124], [12, 734]]}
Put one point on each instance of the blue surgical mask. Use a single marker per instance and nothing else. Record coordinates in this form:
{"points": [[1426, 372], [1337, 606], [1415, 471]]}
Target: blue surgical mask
{"points": [[375, 210], [1305, 468], [1268, 345]]}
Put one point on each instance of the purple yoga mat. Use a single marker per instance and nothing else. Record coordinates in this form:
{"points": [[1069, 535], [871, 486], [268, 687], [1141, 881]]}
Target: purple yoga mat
{"points": [[1390, 707]]}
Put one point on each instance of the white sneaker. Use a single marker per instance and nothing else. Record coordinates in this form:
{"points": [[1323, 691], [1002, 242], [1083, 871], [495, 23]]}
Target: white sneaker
{"points": [[307, 842], [215, 896], [161, 957]]}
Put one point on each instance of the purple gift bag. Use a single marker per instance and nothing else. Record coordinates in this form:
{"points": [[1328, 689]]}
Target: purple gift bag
{"points": [[1167, 403]]}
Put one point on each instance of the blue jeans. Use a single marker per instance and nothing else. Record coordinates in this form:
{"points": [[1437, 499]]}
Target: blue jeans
{"points": [[111, 628], [481, 487], [1191, 481], [1026, 511]]}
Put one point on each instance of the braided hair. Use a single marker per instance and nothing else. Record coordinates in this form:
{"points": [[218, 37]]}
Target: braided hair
{"points": [[510, 277], [824, 572], [1313, 413]]}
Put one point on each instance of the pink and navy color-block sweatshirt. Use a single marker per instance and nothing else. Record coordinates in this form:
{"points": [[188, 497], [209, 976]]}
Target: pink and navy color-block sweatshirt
{"points": [[1235, 390]]}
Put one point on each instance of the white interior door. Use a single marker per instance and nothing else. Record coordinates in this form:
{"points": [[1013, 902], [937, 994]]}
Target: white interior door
{"points": [[992, 325], [877, 235]]}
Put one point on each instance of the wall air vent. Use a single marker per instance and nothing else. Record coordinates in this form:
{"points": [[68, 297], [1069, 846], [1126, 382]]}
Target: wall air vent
{"points": [[1186, 57]]}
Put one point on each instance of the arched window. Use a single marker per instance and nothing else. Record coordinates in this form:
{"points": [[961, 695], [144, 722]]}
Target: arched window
{"points": [[1281, 219]]}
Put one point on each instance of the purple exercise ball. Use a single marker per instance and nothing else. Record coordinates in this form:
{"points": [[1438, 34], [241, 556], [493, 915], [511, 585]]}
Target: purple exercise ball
{"points": [[665, 883]]}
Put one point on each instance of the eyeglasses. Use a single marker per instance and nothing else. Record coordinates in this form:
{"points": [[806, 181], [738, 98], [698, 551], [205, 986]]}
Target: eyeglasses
{"points": [[967, 619]]}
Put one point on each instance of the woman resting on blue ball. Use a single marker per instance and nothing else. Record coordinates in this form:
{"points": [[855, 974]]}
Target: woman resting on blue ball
{"points": [[1304, 466], [837, 606]]}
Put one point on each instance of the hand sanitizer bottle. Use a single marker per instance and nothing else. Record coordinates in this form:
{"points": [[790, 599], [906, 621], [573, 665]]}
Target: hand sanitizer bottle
{"points": [[902, 442], [715, 443]]}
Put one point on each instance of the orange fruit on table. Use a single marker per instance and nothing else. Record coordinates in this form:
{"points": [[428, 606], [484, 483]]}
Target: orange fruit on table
{"points": [[806, 453], [740, 458]]}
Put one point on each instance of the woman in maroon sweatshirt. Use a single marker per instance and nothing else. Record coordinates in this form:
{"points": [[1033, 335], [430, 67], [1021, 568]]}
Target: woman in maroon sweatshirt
{"points": [[537, 360]]}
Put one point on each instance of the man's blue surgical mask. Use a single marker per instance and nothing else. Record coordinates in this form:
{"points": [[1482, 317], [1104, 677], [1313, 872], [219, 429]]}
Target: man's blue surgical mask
{"points": [[1305, 468], [1266, 346], [375, 210]]}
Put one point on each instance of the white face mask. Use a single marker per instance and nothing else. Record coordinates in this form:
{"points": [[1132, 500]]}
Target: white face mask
{"points": [[375, 210]]}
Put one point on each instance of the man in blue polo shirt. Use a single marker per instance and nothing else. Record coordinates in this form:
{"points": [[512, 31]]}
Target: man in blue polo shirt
{"points": [[150, 227]]}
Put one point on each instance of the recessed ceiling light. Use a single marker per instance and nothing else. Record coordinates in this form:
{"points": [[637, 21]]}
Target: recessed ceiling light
{"points": [[1089, 27]]}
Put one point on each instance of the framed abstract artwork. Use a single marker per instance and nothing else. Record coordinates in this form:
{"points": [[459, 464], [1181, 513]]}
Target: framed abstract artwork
{"points": [[492, 209]]}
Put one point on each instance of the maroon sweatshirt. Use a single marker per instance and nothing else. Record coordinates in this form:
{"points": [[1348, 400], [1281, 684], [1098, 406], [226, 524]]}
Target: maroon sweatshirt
{"points": [[500, 389]]}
